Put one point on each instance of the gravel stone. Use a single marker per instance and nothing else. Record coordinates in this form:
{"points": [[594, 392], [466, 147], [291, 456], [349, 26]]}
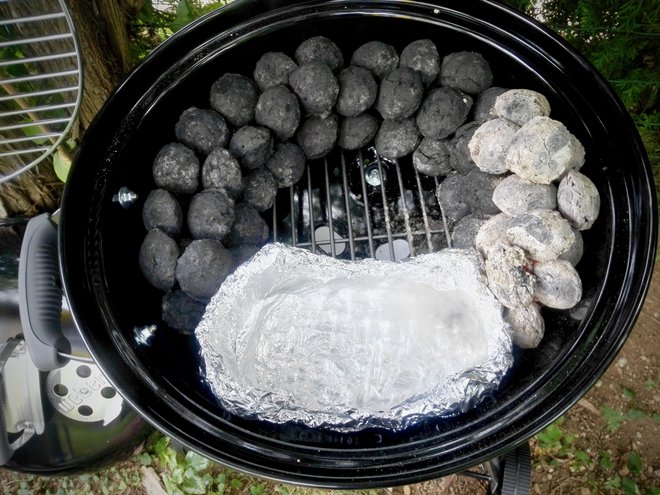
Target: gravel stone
{"points": [[287, 164], [432, 157], [279, 110], [544, 234], [559, 285], [357, 132], [316, 87], [489, 144], [515, 196], [543, 150], [210, 215], [273, 68], [202, 268], [479, 188], [397, 138], [451, 195], [527, 325], [400, 95], [483, 107], [491, 232], [162, 211], [251, 146], [260, 189], [202, 130], [248, 228], [464, 233], [222, 171], [578, 200], [158, 255], [521, 105], [176, 168], [460, 159], [320, 49], [234, 96], [509, 277], [422, 57], [357, 91], [317, 136], [442, 112], [466, 71], [181, 312], [376, 56], [574, 253]]}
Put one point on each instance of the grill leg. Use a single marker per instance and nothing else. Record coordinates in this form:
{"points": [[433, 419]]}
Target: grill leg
{"points": [[511, 474]]}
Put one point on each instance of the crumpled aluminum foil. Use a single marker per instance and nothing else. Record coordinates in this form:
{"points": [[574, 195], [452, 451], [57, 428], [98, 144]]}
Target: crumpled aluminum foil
{"points": [[346, 345]]}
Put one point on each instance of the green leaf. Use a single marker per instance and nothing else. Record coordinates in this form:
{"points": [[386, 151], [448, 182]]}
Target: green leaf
{"points": [[161, 445], [649, 384], [606, 461], [236, 484], [258, 489], [193, 485], [196, 461], [635, 463], [185, 13], [652, 491], [629, 393], [35, 130], [635, 414], [613, 483], [629, 486], [613, 417], [177, 475], [144, 459], [582, 457]]}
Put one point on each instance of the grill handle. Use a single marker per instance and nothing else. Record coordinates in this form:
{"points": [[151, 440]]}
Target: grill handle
{"points": [[40, 294]]}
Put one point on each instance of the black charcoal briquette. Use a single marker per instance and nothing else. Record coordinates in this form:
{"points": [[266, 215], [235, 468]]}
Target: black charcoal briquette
{"points": [[244, 252], [252, 146], [279, 110], [483, 106], [320, 49], [432, 157], [201, 129], [210, 215], [357, 91], [181, 312], [479, 188], [249, 228], [461, 160], [376, 56], [203, 267], [287, 164], [273, 68], [162, 211], [466, 71], [317, 136], [234, 96], [316, 86], [464, 233], [400, 94], [442, 112], [176, 168], [260, 189], [422, 57], [158, 255], [357, 132], [397, 138], [222, 171], [451, 195]]}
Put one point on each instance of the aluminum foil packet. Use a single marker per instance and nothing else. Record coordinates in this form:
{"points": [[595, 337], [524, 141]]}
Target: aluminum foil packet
{"points": [[293, 336]]}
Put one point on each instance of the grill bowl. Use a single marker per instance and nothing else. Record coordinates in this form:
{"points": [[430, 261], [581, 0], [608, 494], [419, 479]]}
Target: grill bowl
{"points": [[99, 241]]}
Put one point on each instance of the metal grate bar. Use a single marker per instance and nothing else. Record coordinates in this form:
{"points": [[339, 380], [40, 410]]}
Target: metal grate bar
{"points": [[44, 92], [43, 108], [42, 58], [442, 212], [24, 151], [367, 216], [425, 216], [386, 208], [377, 237], [406, 213], [31, 138], [310, 205], [45, 122], [349, 217], [37, 39], [39, 77], [294, 237], [33, 18], [328, 199]]}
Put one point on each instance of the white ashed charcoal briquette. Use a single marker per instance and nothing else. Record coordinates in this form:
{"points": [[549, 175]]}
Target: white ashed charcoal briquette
{"points": [[577, 157], [234, 96], [260, 189], [202, 268], [559, 285], [578, 200], [521, 105], [176, 168], [251, 146], [357, 132], [489, 145], [464, 232], [483, 105], [202, 130], [422, 57], [515, 196], [527, 325], [162, 211], [357, 91], [181, 312], [400, 94], [248, 228], [397, 138], [451, 194], [320, 49], [158, 258], [210, 214], [442, 112], [491, 232], [574, 253], [461, 161], [316, 87], [479, 187], [376, 56], [317, 136], [287, 164], [279, 110], [221, 170], [466, 71], [432, 157], [544, 234], [543, 150], [509, 275], [273, 68]]}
